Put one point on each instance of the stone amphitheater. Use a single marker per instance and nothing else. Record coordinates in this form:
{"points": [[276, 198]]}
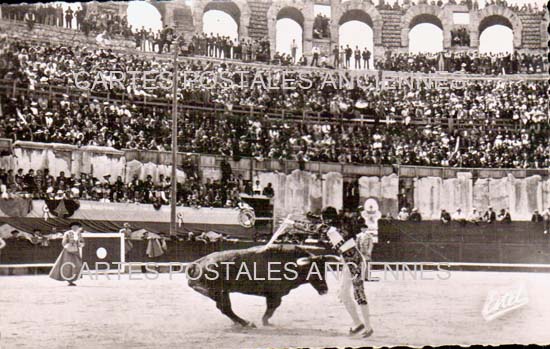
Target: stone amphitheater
{"points": [[257, 19]]}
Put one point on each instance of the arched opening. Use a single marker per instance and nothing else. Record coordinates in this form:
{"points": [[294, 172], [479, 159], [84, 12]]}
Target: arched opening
{"points": [[496, 35], [217, 22], [289, 31], [356, 32], [221, 18], [142, 16], [425, 34]]}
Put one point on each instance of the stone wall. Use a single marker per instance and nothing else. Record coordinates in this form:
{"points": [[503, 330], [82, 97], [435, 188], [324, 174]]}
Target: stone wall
{"points": [[300, 191], [390, 27]]}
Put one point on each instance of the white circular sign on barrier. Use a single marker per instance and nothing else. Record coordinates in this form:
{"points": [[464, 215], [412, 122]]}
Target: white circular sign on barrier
{"points": [[101, 253]]}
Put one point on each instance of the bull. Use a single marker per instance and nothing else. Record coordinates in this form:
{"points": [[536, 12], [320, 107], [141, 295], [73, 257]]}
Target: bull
{"points": [[277, 270]]}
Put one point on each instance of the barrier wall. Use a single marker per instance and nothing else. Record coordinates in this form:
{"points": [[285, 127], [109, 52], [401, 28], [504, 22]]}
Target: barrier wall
{"points": [[103, 217], [517, 242], [321, 184]]}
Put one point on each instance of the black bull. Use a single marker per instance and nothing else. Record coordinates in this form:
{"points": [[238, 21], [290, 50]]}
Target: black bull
{"points": [[270, 273]]}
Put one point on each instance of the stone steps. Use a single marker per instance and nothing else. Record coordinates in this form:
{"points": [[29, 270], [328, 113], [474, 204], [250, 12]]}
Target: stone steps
{"points": [[57, 35], [257, 27], [531, 34], [391, 28], [183, 19]]}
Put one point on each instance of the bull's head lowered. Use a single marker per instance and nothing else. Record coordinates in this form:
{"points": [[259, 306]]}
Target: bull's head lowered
{"points": [[313, 268]]}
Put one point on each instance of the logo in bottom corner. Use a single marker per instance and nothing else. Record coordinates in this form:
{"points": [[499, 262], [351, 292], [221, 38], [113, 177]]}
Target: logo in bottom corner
{"points": [[503, 301]]}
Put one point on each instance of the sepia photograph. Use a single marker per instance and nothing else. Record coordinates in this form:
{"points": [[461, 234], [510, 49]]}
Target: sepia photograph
{"points": [[274, 173]]}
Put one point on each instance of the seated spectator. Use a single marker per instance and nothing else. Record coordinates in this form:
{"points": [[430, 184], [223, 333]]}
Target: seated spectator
{"points": [[257, 189], [403, 214], [268, 191], [415, 215], [537, 217], [459, 216], [445, 217], [504, 216], [475, 217], [490, 216]]}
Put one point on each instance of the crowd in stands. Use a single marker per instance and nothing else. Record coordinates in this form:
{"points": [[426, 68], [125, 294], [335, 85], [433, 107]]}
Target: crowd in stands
{"points": [[123, 125], [110, 24], [241, 136], [466, 62], [41, 184], [475, 217], [247, 50]]}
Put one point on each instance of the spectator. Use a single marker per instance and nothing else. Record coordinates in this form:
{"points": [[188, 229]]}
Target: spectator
{"points": [[268, 191], [445, 217], [403, 214], [415, 215], [475, 217], [315, 52], [293, 50], [490, 216], [504, 216], [459, 216], [257, 188], [2, 245], [366, 57], [536, 217], [546, 218]]}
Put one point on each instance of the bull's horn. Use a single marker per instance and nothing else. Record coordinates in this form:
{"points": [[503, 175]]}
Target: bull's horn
{"points": [[332, 258], [303, 261]]}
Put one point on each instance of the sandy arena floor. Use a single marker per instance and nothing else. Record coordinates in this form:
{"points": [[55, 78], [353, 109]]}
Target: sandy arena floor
{"points": [[36, 311]]}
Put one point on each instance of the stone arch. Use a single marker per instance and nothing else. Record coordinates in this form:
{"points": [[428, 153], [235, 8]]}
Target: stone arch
{"points": [[426, 14], [361, 11], [495, 14], [238, 9], [301, 11]]}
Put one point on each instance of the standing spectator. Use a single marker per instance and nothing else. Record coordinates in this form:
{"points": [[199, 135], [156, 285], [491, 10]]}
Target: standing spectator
{"points": [[316, 52], [336, 53], [226, 170], [30, 19], [293, 50], [348, 52], [357, 57], [366, 58], [79, 15], [69, 18]]}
